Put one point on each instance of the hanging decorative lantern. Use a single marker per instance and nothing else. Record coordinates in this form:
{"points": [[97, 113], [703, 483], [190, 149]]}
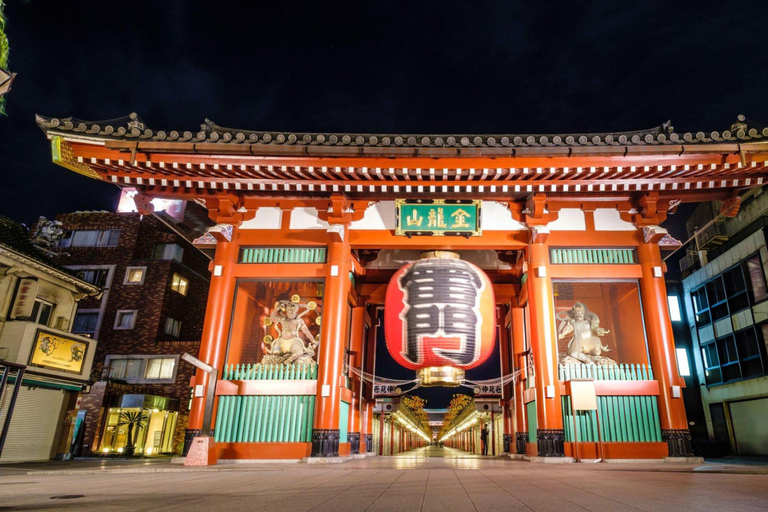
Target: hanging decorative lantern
{"points": [[439, 317]]}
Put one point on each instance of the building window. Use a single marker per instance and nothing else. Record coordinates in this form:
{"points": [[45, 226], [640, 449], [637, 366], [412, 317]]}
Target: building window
{"points": [[160, 368], [683, 366], [179, 284], [674, 308], [126, 368], [91, 238], [172, 327], [125, 319], [96, 276], [729, 342], [85, 323], [139, 369], [41, 312], [135, 275], [167, 252], [757, 286]]}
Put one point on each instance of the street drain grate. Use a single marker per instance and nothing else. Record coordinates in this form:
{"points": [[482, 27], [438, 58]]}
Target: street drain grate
{"points": [[68, 497]]}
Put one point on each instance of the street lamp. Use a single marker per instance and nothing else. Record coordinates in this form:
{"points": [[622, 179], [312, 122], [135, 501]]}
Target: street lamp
{"points": [[194, 457]]}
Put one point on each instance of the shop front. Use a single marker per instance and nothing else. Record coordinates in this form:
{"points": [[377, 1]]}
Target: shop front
{"points": [[144, 422]]}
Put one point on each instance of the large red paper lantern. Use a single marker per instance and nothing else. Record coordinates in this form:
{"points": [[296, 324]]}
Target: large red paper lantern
{"points": [[439, 317]]}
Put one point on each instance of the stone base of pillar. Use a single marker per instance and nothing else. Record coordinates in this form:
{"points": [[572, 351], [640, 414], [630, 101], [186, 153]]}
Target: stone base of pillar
{"points": [[520, 439], [678, 442], [354, 442], [551, 442], [507, 440], [325, 442], [189, 435], [368, 442]]}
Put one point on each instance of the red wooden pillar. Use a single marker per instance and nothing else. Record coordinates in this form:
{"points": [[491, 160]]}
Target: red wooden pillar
{"points": [[357, 329], [517, 317], [506, 354], [213, 345], [550, 434], [661, 345], [325, 435]]}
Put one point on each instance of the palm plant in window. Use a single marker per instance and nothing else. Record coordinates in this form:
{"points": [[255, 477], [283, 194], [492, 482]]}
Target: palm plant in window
{"points": [[134, 420]]}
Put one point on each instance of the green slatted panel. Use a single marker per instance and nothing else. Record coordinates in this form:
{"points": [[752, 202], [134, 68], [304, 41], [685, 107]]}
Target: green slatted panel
{"points": [[593, 256], [253, 419], [282, 255], [269, 372], [530, 409], [608, 372], [622, 419]]}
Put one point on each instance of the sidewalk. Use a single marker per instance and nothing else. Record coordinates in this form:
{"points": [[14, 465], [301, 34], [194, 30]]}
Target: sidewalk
{"points": [[425, 458]]}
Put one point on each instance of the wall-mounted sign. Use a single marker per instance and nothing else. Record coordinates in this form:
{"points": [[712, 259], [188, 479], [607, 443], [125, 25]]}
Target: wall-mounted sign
{"points": [[25, 298], [438, 217], [57, 353]]}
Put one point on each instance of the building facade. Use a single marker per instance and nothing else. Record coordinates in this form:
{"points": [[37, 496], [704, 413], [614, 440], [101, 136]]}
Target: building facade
{"points": [[311, 227], [38, 304], [151, 312], [725, 306]]}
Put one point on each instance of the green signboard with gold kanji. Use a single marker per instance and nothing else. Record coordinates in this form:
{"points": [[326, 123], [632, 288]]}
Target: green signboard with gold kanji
{"points": [[438, 217]]}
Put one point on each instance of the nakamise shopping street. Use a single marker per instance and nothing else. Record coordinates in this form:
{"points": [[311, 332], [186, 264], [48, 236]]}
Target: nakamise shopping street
{"points": [[549, 245]]}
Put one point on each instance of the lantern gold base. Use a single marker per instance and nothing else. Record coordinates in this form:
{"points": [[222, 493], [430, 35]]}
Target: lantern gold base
{"points": [[447, 376]]}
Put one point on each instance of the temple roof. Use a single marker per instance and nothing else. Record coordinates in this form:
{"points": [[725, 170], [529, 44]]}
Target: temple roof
{"points": [[132, 128]]}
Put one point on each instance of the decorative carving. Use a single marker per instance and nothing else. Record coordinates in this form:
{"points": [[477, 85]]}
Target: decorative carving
{"points": [[550, 442], [48, 233], [678, 442], [325, 442], [294, 343], [653, 234], [354, 442], [583, 328], [521, 438]]}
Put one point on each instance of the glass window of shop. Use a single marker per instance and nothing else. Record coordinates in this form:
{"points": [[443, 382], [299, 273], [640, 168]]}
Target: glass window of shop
{"points": [[153, 437]]}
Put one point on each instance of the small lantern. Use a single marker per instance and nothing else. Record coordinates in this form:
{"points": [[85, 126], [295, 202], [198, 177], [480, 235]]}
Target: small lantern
{"points": [[439, 317]]}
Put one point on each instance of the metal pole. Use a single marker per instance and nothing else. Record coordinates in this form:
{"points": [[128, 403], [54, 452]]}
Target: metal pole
{"points": [[16, 387], [210, 397], [575, 435]]}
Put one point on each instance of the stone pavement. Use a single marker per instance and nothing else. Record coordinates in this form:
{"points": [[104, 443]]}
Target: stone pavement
{"points": [[421, 480]]}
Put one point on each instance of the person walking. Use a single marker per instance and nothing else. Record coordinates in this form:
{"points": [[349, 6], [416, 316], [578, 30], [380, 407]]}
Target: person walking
{"points": [[484, 439]]}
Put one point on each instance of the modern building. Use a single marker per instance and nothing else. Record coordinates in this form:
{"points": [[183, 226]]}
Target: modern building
{"points": [[549, 245], [38, 303], [723, 303], [151, 312]]}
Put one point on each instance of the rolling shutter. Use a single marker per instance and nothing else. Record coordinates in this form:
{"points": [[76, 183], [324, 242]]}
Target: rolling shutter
{"points": [[33, 425], [749, 426]]}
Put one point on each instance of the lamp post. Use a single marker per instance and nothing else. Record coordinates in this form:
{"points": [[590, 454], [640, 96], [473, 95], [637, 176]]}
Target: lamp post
{"points": [[202, 452]]}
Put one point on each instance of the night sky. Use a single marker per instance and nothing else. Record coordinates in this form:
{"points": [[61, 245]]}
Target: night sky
{"points": [[407, 67]]}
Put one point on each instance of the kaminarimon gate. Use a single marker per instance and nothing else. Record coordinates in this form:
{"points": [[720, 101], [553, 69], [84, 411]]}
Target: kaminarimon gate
{"points": [[311, 227]]}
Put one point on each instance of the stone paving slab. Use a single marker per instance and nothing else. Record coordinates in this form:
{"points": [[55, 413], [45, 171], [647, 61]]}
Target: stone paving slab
{"points": [[404, 483]]}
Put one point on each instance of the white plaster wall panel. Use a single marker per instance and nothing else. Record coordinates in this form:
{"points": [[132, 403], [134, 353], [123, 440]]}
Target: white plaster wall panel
{"points": [[608, 219], [569, 219], [496, 217], [379, 216], [265, 218], [723, 327], [306, 218], [761, 313]]}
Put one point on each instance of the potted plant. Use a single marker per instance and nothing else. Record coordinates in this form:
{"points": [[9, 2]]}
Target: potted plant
{"points": [[133, 420]]}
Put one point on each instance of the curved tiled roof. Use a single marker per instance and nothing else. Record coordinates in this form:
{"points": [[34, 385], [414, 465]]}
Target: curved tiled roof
{"points": [[131, 127]]}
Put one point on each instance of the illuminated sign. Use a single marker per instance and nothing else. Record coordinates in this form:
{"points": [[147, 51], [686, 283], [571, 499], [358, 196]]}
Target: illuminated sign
{"points": [[438, 217], [57, 353]]}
